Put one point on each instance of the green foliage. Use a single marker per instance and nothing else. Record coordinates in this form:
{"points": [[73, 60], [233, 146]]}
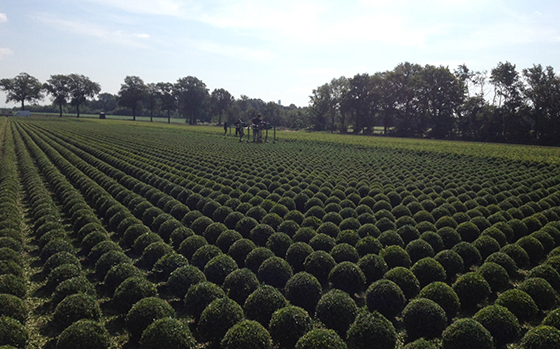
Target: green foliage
{"points": [[14, 285], [13, 307], [78, 284], [396, 256], [262, 303], [146, 311], [369, 328], [217, 318], [131, 291], [199, 296], [444, 296], [348, 277], [319, 264], [181, 280], [84, 334], [321, 339], [542, 337], [337, 311], [472, 289], [218, 268], [423, 317], [288, 325], [500, 322], [304, 290], [76, 307], [467, 334], [496, 276], [386, 297], [519, 303], [167, 333], [247, 334], [406, 280], [428, 270]]}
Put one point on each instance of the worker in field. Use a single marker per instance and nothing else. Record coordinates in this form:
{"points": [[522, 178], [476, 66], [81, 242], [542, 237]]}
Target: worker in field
{"points": [[225, 128], [257, 124]]}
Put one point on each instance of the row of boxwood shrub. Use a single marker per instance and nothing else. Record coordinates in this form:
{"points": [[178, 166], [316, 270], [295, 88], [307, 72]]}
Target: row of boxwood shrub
{"points": [[541, 243], [13, 311]]}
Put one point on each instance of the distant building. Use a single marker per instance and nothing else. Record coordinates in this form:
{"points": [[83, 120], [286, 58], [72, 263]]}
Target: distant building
{"points": [[22, 113], [279, 102]]}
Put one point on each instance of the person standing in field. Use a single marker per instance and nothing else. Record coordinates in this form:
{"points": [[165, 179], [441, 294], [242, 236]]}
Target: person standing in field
{"points": [[225, 128], [256, 128]]}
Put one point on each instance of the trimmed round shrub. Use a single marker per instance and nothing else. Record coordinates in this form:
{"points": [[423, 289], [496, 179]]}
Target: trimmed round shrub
{"points": [[421, 344], [541, 291], [275, 271], [304, 234], [226, 239], [350, 237], [373, 267], [390, 238], [368, 245], [533, 247], [11, 267], [203, 255], [12, 333], [369, 328], [386, 297], [449, 236], [322, 242], [296, 254], [131, 291], [472, 289], [167, 333], [329, 228], [200, 224], [396, 256], [444, 296], [548, 273], [200, 295], [109, 260], [144, 241], [348, 277], [247, 334], [469, 254], [279, 244], [451, 261], [518, 254], [180, 280], [55, 246], [13, 307], [406, 280], [466, 334], [14, 285], [468, 231], [519, 303], [261, 233], [344, 252], [423, 317], [505, 261], [288, 325], [61, 273], [496, 276], [337, 311], [84, 334], [240, 249], [256, 257], [133, 232], [167, 264], [320, 339], [239, 284], [553, 319], [304, 290], [79, 284], [153, 252], [319, 264], [542, 337], [418, 249], [144, 312], [213, 231], [500, 322], [218, 268], [262, 303], [191, 244], [428, 270], [76, 307], [100, 249], [218, 317], [118, 273], [486, 245]]}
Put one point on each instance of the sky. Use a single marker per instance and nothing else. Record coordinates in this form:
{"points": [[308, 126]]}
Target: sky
{"points": [[275, 50]]}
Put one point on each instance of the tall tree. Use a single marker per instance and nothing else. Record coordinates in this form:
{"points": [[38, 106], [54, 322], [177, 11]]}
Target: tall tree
{"points": [[152, 98], [58, 86], [403, 83], [508, 87], [191, 94], [220, 103], [22, 88], [132, 94], [81, 89], [168, 99], [320, 106]]}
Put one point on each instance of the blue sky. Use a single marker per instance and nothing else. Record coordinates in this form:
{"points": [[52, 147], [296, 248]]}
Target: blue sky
{"points": [[273, 50]]}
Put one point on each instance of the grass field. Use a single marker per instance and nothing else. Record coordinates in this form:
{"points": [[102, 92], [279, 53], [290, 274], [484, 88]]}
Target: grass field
{"points": [[178, 236]]}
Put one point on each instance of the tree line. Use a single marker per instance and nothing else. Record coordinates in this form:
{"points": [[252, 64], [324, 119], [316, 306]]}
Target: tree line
{"points": [[503, 105], [411, 100], [187, 98]]}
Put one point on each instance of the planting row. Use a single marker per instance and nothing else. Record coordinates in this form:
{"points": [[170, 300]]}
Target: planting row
{"points": [[328, 247]]}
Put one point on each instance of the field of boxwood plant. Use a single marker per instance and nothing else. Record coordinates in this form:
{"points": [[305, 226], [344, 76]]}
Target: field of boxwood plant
{"points": [[130, 235]]}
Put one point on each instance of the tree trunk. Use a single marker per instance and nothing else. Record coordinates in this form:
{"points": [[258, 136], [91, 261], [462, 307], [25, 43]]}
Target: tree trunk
{"points": [[60, 109], [78, 111], [22, 104], [168, 116]]}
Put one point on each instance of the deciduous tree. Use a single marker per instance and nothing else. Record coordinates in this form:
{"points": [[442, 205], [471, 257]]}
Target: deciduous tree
{"points": [[132, 93], [22, 88], [58, 86], [81, 89], [191, 94]]}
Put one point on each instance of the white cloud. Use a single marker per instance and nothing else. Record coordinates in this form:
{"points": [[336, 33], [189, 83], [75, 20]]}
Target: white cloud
{"points": [[3, 18], [244, 53], [96, 31], [5, 52]]}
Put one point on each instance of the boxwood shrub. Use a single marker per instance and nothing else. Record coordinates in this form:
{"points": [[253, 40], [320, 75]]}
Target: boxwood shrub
{"points": [[76, 307], [13, 306], [423, 317], [262, 303], [319, 264], [288, 325], [217, 318], [304, 290], [466, 334], [337, 311], [199, 296], [371, 328], [144, 312], [386, 297], [84, 334], [348, 277], [131, 291], [247, 334], [321, 339], [542, 337], [519, 303], [14, 285], [406, 280], [218, 268], [500, 322], [496, 276], [78, 284], [167, 333], [472, 289], [428, 270], [444, 296]]}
